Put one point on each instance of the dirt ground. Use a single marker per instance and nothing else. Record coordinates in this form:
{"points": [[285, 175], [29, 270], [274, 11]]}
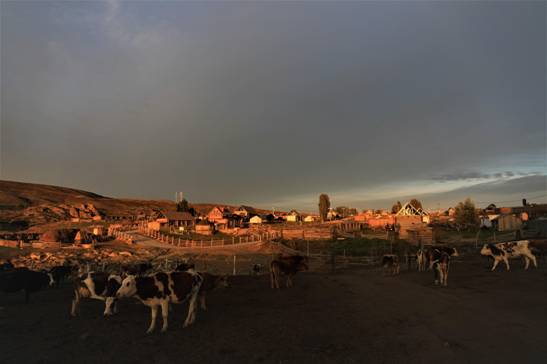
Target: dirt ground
{"points": [[352, 316]]}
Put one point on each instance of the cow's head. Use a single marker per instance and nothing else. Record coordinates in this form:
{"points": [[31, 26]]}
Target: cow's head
{"points": [[486, 250], [454, 253], [128, 287], [109, 306]]}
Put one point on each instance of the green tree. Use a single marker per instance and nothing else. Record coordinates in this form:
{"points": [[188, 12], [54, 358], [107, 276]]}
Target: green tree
{"points": [[396, 207], [183, 206], [324, 204], [416, 203], [466, 214]]}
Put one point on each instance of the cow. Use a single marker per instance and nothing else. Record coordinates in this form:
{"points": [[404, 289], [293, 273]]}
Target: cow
{"points": [[390, 263], [7, 265], [504, 251], [289, 266], [256, 269], [137, 269], [434, 252], [440, 268], [183, 267], [61, 272], [99, 286], [421, 260], [210, 283], [160, 289], [19, 279]]}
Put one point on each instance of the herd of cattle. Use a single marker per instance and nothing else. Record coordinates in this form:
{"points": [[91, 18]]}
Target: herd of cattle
{"points": [[438, 258], [159, 289]]}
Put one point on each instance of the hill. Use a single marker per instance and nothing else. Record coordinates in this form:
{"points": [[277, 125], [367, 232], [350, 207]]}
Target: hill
{"points": [[25, 205]]}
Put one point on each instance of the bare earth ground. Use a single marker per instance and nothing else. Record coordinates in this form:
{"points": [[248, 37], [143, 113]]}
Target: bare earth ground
{"points": [[353, 316]]}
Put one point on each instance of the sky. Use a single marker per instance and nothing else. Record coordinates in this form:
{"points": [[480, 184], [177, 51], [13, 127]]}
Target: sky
{"points": [[271, 104]]}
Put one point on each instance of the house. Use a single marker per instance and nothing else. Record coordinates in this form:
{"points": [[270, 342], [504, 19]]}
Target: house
{"points": [[256, 220], [179, 219], [204, 228], [508, 222], [485, 222], [411, 220], [311, 218], [217, 213], [293, 216], [333, 214], [245, 211]]}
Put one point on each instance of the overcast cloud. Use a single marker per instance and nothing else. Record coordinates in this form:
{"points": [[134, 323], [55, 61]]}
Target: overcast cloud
{"points": [[273, 103]]}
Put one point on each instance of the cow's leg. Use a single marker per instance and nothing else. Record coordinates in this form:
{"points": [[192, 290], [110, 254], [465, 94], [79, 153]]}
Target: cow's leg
{"points": [[526, 262], [202, 302], [154, 313], [530, 256], [165, 314], [288, 282], [75, 303], [436, 274], [192, 308], [496, 262], [506, 261]]}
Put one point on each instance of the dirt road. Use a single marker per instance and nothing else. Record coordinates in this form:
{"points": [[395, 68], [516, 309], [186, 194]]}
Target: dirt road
{"points": [[353, 316]]}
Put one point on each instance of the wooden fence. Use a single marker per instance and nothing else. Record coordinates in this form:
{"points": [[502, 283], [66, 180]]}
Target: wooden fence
{"points": [[208, 243]]}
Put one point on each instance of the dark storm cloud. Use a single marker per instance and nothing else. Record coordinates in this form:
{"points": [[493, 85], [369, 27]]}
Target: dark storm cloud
{"points": [[262, 102]]}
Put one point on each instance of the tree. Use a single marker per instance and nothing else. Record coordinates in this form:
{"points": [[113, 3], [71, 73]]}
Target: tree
{"points": [[416, 203], [324, 204], [396, 207], [466, 214], [345, 211], [183, 206]]}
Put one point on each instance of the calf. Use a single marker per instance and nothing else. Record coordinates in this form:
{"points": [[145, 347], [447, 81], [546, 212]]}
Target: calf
{"points": [[210, 283], [434, 253], [288, 266], [160, 289], [504, 251], [19, 279], [99, 286], [440, 267], [390, 263]]}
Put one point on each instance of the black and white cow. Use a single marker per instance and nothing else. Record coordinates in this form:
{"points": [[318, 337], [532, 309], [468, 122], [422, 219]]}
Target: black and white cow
{"points": [[434, 253], [390, 263], [441, 265], [160, 289], [23, 279], [513, 249], [99, 286]]}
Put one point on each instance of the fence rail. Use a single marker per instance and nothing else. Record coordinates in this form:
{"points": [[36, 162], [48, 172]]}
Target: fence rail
{"points": [[208, 243]]}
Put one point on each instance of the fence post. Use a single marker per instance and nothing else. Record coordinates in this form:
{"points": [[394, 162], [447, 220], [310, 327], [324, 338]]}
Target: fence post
{"points": [[234, 270]]}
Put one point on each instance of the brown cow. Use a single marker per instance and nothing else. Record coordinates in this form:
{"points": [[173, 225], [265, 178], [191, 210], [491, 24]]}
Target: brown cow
{"points": [[289, 266]]}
